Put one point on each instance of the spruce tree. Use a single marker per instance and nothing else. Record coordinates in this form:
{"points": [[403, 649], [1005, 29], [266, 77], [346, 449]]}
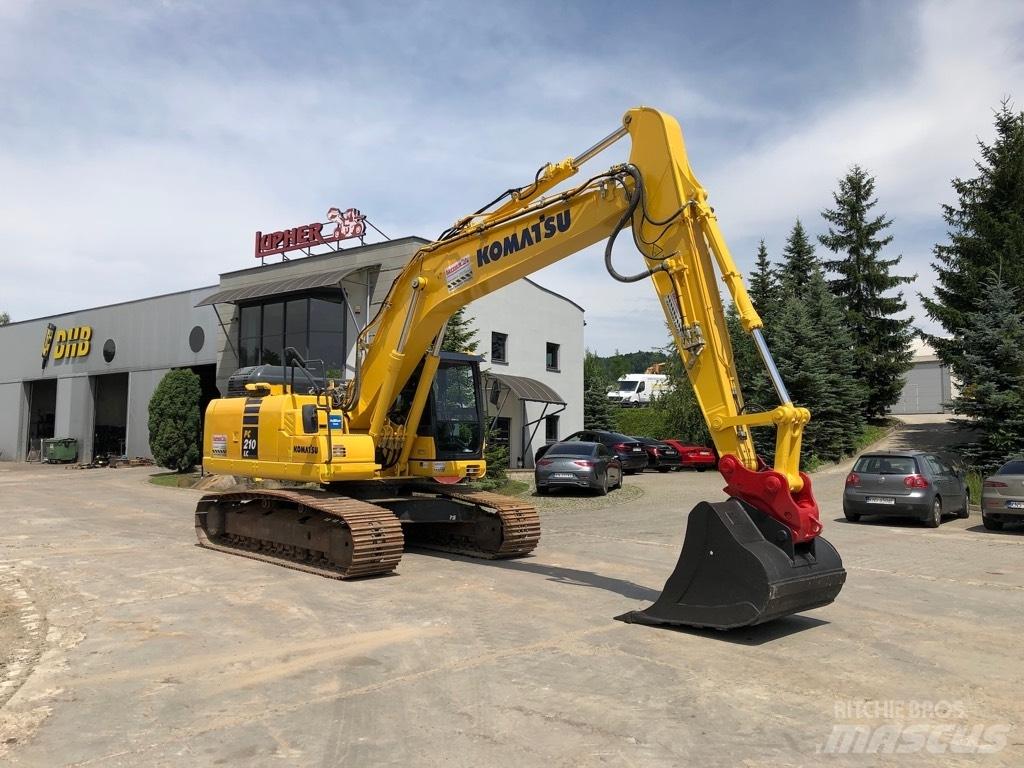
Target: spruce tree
{"points": [[460, 335], [799, 261], [598, 413], [764, 285], [5, 318], [986, 235], [992, 371], [882, 350]]}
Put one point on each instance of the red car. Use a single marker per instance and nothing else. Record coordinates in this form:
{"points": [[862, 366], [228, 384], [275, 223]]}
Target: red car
{"points": [[698, 457]]}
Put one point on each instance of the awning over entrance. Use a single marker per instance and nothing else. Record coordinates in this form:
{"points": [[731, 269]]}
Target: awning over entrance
{"points": [[277, 287], [525, 388]]}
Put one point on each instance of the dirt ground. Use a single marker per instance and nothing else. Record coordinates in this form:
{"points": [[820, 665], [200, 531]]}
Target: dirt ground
{"points": [[124, 644]]}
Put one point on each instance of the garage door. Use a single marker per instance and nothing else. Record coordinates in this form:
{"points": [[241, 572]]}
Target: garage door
{"points": [[927, 388]]}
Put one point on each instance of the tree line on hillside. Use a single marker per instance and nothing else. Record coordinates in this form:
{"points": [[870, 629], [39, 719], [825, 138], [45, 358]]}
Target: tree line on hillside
{"points": [[837, 327]]}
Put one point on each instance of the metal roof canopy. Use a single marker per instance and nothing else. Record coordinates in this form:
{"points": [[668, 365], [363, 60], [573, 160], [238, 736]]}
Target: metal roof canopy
{"points": [[526, 388], [278, 287]]}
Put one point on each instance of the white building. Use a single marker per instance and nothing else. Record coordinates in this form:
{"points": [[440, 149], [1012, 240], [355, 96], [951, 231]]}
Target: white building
{"points": [[534, 365]]}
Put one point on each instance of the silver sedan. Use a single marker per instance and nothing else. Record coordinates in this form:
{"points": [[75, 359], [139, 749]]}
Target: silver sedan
{"points": [[1002, 496]]}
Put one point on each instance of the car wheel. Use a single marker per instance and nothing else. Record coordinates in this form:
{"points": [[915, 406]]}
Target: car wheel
{"points": [[853, 517], [542, 491], [664, 469], [603, 488], [630, 471], [991, 524], [965, 512], [935, 517], [701, 469]]}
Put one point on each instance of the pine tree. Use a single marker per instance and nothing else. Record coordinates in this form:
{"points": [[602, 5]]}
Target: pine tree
{"points": [[460, 335], [764, 285], [598, 413], [5, 319], [992, 370], [882, 351], [986, 234], [799, 261]]}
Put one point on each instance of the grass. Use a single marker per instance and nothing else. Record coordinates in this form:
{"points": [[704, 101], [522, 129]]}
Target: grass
{"points": [[174, 479], [506, 487], [974, 481]]}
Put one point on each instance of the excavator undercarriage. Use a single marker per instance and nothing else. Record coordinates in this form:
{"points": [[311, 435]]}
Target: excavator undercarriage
{"points": [[344, 537]]}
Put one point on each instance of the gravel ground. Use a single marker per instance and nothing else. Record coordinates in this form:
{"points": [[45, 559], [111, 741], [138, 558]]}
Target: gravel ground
{"points": [[126, 645]]}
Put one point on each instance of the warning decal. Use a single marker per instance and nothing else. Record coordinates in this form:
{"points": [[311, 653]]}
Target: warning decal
{"points": [[457, 274]]}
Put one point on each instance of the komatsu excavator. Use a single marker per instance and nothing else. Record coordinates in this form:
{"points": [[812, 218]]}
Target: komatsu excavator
{"points": [[387, 449]]}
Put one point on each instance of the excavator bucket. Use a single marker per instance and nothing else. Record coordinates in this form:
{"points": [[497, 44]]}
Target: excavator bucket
{"points": [[739, 567]]}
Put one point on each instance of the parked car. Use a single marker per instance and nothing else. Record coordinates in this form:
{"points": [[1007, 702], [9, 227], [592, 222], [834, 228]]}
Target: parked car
{"points": [[698, 457], [905, 484], [630, 452], [1002, 496], [660, 455], [578, 465]]}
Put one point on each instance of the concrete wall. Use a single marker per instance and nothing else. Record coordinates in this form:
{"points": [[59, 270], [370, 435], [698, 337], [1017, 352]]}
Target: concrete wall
{"points": [[531, 317]]}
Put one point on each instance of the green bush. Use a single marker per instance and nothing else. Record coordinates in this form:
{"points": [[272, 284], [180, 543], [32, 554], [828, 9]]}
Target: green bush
{"points": [[174, 421], [641, 422]]}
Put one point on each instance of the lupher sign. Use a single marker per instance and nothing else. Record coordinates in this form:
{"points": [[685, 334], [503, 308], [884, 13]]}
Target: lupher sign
{"points": [[66, 343], [347, 224]]}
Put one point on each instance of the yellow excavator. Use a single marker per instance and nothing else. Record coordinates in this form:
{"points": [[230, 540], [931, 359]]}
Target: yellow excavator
{"points": [[387, 451]]}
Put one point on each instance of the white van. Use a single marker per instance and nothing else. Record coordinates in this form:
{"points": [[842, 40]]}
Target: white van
{"points": [[636, 389]]}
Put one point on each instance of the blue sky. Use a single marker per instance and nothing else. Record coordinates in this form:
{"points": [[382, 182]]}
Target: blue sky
{"points": [[142, 144]]}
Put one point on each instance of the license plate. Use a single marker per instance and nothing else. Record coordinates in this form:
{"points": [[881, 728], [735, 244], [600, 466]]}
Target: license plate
{"points": [[704, 453], [563, 475], [670, 453], [1015, 505], [881, 500], [636, 450]]}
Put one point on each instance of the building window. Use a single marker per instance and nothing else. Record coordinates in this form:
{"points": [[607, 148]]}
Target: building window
{"points": [[499, 347], [501, 431], [552, 357], [314, 325], [551, 429]]}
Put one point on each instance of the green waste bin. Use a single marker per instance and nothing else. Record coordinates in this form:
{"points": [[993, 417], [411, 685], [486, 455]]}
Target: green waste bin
{"points": [[60, 450]]}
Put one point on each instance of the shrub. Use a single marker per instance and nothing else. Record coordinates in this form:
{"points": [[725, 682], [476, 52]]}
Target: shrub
{"points": [[174, 421]]}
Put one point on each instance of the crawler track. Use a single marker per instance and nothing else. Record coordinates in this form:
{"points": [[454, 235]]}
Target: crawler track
{"points": [[312, 531], [495, 526]]}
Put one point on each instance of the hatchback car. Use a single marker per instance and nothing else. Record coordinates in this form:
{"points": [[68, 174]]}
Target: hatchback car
{"points": [[1002, 496], [905, 484], [660, 455], [630, 452], [698, 457], [578, 465]]}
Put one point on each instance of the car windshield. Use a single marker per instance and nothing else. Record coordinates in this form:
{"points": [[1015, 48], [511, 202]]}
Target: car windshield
{"points": [[571, 449], [886, 465], [1015, 467], [627, 386]]}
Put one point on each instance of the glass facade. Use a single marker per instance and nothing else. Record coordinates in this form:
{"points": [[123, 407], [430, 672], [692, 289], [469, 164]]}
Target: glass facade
{"points": [[314, 325]]}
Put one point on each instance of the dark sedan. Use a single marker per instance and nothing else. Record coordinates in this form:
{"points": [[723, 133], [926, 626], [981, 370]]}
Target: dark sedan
{"points": [[630, 452], [578, 465], [660, 455]]}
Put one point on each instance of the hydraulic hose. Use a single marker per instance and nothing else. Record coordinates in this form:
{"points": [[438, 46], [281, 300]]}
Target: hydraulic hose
{"points": [[627, 216]]}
